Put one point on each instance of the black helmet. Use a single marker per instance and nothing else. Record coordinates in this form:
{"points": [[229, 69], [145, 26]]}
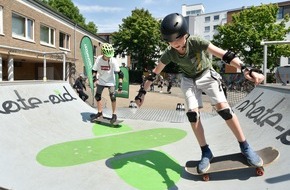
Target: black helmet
{"points": [[173, 26]]}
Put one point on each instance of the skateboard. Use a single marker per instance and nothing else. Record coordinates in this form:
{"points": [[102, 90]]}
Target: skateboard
{"points": [[106, 121], [233, 162]]}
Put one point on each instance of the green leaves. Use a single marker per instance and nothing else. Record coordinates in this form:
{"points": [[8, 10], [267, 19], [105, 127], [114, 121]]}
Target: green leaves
{"points": [[68, 9], [246, 31], [139, 37]]}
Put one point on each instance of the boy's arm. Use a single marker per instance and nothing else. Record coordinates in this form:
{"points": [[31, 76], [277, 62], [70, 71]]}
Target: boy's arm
{"points": [[139, 99]]}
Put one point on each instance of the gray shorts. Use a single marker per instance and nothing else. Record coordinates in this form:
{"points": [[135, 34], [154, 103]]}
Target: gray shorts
{"points": [[100, 89], [209, 83]]}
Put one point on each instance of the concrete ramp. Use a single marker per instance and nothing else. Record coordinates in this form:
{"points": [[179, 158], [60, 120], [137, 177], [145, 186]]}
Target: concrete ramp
{"points": [[264, 117], [47, 143]]}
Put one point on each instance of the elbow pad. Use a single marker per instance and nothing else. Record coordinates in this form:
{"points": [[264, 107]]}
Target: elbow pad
{"points": [[228, 57]]}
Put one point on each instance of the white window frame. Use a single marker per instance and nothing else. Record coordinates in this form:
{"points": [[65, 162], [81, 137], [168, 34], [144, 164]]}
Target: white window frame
{"points": [[27, 35], [51, 34], [1, 21], [207, 29], [216, 17], [215, 27], [207, 19], [66, 40]]}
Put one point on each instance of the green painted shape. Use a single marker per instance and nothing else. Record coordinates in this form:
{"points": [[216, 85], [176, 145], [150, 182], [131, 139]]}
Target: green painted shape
{"points": [[147, 170], [89, 150], [99, 129]]}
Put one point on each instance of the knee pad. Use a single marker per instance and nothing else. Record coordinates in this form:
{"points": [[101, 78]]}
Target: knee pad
{"points": [[192, 116], [113, 97], [226, 113], [98, 97]]}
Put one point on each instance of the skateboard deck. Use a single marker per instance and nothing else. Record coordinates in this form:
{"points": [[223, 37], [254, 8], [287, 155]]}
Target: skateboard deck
{"points": [[234, 162], [106, 120]]}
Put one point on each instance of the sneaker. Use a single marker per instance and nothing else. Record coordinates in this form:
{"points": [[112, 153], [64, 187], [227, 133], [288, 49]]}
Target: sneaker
{"points": [[114, 118], [97, 116], [252, 157], [204, 163]]}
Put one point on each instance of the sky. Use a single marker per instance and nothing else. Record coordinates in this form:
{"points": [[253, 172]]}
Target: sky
{"points": [[108, 14]]}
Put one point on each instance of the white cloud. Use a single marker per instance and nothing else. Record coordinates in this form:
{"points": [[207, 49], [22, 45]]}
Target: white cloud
{"points": [[97, 8]]}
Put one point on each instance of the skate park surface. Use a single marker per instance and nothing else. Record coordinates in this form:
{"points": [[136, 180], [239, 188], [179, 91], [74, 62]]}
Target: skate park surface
{"points": [[48, 142]]}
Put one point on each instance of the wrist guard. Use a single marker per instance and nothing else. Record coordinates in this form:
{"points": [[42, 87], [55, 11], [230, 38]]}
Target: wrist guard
{"points": [[140, 93], [120, 86], [250, 69]]}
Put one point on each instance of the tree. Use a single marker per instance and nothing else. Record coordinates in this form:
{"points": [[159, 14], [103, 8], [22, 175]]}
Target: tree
{"points": [[139, 36], [67, 8], [246, 31], [92, 27]]}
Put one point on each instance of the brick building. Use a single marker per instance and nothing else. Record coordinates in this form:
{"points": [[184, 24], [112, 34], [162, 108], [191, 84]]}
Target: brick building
{"points": [[38, 43]]}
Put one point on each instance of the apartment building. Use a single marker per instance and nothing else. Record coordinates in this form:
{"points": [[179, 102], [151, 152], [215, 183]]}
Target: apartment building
{"points": [[192, 10], [37, 43], [205, 24]]}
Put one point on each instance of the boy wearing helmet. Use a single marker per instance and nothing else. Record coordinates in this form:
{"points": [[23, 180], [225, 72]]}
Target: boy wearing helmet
{"points": [[104, 70], [191, 54]]}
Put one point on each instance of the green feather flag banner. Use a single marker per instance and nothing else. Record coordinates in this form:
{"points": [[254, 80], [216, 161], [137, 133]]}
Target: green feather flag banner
{"points": [[86, 47]]}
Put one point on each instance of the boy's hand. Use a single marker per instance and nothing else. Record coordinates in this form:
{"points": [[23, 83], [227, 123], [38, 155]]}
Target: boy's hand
{"points": [[253, 76]]}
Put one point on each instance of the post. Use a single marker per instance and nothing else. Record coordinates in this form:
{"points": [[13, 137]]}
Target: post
{"points": [[10, 68], [44, 68], [265, 63], [63, 67], [1, 69]]}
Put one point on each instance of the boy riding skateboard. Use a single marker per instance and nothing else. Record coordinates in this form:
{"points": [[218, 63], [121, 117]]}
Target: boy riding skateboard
{"points": [[104, 70], [191, 54]]}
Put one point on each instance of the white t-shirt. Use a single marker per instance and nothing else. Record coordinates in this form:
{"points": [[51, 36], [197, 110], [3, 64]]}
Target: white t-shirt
{"points": [[106, 70]]}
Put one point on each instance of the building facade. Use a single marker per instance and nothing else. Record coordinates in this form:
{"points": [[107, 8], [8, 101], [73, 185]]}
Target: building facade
{"points": [[205, 24], [192, 10], [37, 43]]}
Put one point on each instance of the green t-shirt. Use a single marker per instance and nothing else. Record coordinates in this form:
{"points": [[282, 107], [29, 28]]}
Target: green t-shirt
{"points": [[194, 62]]}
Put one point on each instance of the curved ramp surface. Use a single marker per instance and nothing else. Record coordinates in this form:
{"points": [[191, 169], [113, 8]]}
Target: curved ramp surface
{"points": [[47, 142]]}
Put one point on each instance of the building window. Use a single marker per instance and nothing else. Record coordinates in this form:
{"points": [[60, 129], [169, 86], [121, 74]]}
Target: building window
{"points": [[216, 17], [207, 29], [207, 19], [47, 35], [215, 27], [22, 27], [95, 50], [64, 40], [283, 11], [1, 20], [207, 37], [193, 12]]}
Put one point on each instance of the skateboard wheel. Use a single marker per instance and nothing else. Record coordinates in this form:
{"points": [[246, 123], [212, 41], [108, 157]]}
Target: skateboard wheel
{"points": [[205, 177], [260, 171]]}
